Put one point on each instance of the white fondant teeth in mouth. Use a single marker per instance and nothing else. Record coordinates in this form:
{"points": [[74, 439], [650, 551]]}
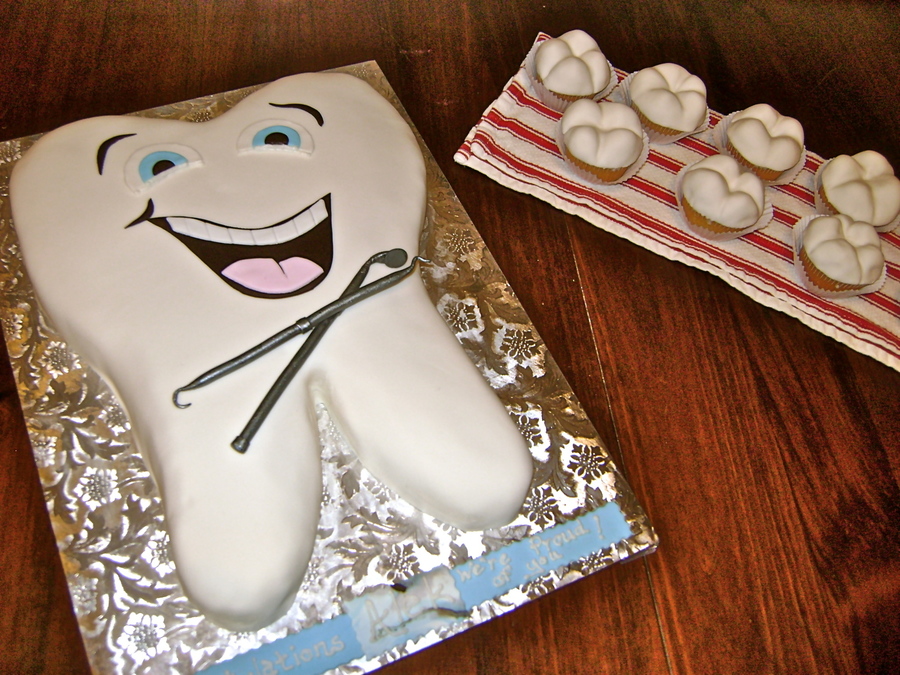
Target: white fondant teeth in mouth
{"points": [[302, 223]]}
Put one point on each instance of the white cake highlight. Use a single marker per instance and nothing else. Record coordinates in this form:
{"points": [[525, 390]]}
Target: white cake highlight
{"points": [[669, 97], [764, 140], [718, 190], [863, 187], [603, 138], [844, 255], [92, 204], [572, 65]]}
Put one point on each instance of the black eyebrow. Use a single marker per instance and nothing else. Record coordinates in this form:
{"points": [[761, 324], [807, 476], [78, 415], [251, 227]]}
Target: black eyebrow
{"points": [[305, 108], [104, 148]]}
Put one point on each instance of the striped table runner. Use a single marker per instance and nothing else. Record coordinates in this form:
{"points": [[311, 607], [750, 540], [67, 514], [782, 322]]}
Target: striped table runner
{"points": [[514, 143]]}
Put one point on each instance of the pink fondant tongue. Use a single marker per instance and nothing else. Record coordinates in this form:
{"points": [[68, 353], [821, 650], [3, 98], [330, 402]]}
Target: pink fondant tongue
{"points": [[265, 275]]}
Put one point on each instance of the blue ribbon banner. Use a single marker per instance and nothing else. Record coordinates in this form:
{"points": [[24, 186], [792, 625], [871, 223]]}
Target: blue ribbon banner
{"points": [[389, 616]]}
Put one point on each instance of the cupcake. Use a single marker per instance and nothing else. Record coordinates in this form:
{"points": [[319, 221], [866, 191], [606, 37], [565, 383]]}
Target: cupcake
{"points": [[717, 197], [603, 140], [763, 140], [863, 187], [669, 100], [569, 68], [838, 254]]}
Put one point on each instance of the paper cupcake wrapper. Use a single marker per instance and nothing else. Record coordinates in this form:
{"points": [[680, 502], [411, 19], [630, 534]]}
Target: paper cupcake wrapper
{"points": [[556, 102], [823, 207], [764, 219], [720, 140], [622, 94], [590, 177], [808, 284]]}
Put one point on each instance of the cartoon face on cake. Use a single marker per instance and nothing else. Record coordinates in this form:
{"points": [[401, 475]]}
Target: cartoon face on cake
{"points": [[162, 248]]}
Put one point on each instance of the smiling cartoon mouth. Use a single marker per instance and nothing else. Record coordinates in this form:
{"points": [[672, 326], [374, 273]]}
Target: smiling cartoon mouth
{"points": [[288, 258]]}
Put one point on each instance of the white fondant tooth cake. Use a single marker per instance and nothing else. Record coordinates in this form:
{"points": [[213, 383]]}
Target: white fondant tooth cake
{"points": [[839, 255], [765, 141], [160, 249], [720, 198], [862, 186], [602, 139], [669, 99], [571, 67]]}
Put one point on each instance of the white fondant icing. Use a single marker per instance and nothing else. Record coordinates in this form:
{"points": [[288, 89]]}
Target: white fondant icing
{"points": [[572, 64], [718, 189], [863, 187], [844, 250], [669, 96], [606, 135], [766, 138], [144, 310]]}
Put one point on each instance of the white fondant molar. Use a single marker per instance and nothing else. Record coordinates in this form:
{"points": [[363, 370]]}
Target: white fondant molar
{"points": [[572, 65], [604, 135], [139, 306], [846, 251], [670, 97], [863, 187], [716, 188], [765, 138]]}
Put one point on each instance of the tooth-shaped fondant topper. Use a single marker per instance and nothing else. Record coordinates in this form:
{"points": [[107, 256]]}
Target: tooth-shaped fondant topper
{"points": [[764, 140], [863, 187], [669, 98], [572, 65], [162, 248], [603, 139]]}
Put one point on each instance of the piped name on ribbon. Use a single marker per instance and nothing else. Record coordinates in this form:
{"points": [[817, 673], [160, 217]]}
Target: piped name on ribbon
{"points": [[390, 616]]}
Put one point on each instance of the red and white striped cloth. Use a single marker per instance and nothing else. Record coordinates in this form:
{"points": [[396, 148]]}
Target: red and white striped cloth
{"points": [[515, 144]]}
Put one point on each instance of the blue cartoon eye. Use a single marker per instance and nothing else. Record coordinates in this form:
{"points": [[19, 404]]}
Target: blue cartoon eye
{"points": [[158, 162], [277, 134]]}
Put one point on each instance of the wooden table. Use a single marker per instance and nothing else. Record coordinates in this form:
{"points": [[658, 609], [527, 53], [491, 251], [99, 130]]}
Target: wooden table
{"points": [[766, 454]]}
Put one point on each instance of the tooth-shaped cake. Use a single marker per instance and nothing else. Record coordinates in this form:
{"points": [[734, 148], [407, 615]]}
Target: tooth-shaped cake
{"points": [[161, 248], [719, 198], [570, 67], [669, 100], [765, 141], [602, 139], [839, 255], [863, 187]]}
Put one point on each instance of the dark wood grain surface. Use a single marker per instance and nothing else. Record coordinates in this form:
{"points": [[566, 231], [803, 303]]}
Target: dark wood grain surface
{"points": [[766, 454]]}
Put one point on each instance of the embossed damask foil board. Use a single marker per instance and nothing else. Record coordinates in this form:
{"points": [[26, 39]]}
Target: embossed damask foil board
{"points": [[385, 580]]}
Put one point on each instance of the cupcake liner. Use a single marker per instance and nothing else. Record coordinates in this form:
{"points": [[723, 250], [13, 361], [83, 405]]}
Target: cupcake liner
{"points": [[558, 103], [720, 140], [809, 284], [824, 207], [622, 94], [590, 177], [764, 219]]}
